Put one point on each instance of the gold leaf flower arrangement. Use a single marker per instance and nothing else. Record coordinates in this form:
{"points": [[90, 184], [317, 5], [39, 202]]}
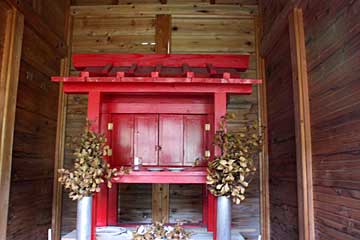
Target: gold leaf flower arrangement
{"points": [[229, 173], [90, 168], [159, 231]]}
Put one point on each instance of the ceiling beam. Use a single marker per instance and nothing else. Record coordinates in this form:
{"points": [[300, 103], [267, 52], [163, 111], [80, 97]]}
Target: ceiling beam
{"points": [[279, 26]]}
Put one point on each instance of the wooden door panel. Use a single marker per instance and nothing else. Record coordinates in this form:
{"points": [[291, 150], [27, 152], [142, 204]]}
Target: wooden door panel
{"points": [[123, 139], [171, 140], [146, 138], [194, 139]]}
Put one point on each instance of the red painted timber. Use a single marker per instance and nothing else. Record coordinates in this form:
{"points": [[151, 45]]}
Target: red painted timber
{"points": [[219, 112], [113, 205], [171, 108], [186, 177], [171, 149], [81, 61], [179, 80], [158, 88], [93, 115]]}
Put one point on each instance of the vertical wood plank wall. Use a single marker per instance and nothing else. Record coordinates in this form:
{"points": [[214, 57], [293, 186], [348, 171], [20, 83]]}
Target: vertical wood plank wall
{"points": [[202, 28], [281, 131], [31, 190], [11, 30], [332, 36]]}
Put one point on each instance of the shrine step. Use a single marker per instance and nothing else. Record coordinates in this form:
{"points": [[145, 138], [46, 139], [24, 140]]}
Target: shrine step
{"points": [[198, 234]]}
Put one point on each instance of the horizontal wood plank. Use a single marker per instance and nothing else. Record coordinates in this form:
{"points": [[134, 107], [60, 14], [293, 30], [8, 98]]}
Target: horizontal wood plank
{"points": [[176, 10]]}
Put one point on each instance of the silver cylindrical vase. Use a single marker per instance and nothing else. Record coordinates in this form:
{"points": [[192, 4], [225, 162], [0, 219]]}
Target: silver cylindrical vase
{"points": [[83, 220], [223, 223]]}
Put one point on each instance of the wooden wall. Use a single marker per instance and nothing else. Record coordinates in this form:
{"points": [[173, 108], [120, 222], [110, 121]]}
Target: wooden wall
{"points": [[332, 36], [333, 53], [2, 35], [196, 28], [31, 192], [281, 132]]}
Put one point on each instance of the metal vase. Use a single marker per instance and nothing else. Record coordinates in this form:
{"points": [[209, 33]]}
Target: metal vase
{"points": [[223, 222], [83, 220]]}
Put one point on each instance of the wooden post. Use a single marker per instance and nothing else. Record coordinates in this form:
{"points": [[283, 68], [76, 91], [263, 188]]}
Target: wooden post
{"points": [[60, 138], [219, 111], [302, 125], [163, 34], [93, 115], [11, 30], [160, 192], [264, 157]]}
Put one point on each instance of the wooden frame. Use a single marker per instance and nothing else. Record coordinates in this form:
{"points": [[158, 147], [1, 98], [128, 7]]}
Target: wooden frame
{"points": [[302, 125], [264, 158], [60, 137], [9, 78]]}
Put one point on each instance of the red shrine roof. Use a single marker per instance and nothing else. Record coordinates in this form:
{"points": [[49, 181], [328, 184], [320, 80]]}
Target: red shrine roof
{"points": [[160, 68]]}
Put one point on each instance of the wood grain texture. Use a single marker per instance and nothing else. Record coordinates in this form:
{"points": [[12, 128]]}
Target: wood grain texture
{"points": [[32, 173], [332, 42], [115, 2], [263, 121], [176, 10], [160, 192], [43, 18], [11, 28], [135, 203], [332, 49], [277, 27], [76, 112], [33, 153], [60, 136], [112, 35], [281, 131], [302, 125], [185, 203], [163, 34]]}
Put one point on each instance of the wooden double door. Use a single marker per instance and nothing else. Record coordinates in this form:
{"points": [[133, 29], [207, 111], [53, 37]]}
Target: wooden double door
{"points": [[159, 139]]}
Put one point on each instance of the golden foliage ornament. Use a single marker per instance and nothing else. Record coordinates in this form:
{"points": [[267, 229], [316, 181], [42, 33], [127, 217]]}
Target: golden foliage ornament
{"points": [[158, 231], [90, 168], [229, 173]]}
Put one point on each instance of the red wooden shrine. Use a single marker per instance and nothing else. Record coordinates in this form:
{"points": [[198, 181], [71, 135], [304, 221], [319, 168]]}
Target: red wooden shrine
{"points": [[164, 109]]}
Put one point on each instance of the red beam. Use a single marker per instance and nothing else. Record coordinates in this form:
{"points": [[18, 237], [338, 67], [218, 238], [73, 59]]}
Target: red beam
{"points": [[73, 87], [226, 79], [194, 108], [185, 177], [82, 61]]}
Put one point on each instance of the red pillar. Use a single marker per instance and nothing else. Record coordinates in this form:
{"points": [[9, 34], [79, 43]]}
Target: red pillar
{"points": [[219, 111], [93, 115]]}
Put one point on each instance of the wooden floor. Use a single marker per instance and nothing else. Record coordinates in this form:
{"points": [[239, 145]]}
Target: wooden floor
{"points": [[198, 234]]}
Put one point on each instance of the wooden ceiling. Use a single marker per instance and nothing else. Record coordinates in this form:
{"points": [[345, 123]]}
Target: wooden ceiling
{"points": [[116, 2]]}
